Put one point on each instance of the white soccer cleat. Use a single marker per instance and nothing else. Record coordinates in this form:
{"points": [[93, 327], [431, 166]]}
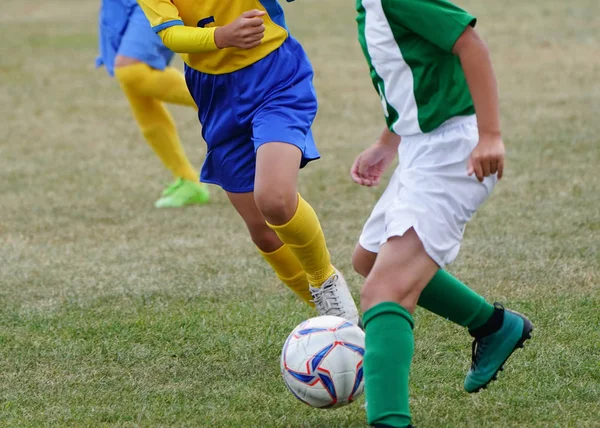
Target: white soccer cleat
{"points": [[334, 298]]}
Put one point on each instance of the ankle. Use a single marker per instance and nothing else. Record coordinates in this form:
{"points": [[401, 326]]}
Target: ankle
{"points": [[492, 325]]}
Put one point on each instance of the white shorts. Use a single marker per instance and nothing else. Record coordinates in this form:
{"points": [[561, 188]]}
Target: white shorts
{"points": [[431, 192]]}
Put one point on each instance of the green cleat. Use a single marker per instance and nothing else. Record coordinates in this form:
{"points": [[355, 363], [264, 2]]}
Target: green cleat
{"points": [[183, 192], [171, 187], [491, 351]]}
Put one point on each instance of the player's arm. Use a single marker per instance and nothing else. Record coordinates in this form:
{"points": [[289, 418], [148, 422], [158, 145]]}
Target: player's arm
{"points": [[488, 157], [451, 29], [166, 22], [389, 139], [245, 32], [369, 166]]}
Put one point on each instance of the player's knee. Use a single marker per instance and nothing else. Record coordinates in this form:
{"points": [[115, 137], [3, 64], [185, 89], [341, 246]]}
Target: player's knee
{"points": [[276, 205], [359, 265], [362, 261], [131, 77]]}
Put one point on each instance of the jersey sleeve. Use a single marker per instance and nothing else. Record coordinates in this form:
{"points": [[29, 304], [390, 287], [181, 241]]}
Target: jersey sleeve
{"points": [[438, 21], [183, 39], [166, 22], [162, 14]]}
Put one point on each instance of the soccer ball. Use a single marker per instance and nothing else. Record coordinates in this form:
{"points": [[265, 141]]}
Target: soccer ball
{"points": [[321, 362]]}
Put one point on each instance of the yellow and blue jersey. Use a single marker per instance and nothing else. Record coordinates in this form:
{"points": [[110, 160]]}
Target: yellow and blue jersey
{"points": [[163, 14]]}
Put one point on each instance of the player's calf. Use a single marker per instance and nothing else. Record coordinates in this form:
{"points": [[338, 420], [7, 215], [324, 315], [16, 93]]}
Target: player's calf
{"points": [[265, 239], [276, 205]]}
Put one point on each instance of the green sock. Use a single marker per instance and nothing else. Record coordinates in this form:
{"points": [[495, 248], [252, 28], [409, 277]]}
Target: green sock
{"points": [[449, 298], [389, 347]]}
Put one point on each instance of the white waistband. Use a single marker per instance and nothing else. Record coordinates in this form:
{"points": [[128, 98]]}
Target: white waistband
{"points": [[450, 123]]}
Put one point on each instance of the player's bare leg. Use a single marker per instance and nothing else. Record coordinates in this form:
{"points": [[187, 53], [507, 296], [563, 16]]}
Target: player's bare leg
{"points": [[297, 225], [388, 297], [363, 260]]}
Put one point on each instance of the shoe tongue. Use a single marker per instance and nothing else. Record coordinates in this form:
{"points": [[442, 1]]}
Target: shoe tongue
{"points": [[330, 282]]}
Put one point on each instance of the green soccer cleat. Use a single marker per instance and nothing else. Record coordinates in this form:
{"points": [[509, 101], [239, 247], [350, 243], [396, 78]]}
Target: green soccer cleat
{"points": [[183, 192], [171, 187], [490, 352]]}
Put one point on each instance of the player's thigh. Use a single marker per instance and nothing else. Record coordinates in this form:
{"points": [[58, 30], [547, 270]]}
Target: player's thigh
{"points": [[401, 271], [261, 234], [277, 166]]}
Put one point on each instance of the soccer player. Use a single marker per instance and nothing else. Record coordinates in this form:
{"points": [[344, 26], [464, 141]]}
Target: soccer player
{"points": [[252, 83], [131, 51], [438, 90]]}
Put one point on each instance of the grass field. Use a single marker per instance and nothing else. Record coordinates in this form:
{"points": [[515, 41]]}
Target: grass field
{"points": [[113, 313]]}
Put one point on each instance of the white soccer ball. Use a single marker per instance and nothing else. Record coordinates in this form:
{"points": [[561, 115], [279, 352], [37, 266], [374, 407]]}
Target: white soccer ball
{"points": [[322, 362]]}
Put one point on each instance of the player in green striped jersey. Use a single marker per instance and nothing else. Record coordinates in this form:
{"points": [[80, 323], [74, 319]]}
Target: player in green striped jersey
{"points": [[438, 90]]}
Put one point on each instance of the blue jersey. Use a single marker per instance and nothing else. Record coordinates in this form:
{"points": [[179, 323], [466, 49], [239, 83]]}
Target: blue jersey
{"points": [[125, 30]]}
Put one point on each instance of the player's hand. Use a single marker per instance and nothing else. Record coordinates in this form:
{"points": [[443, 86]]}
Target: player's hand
{"points": [[488, 157], [246, 32], [370, 165]]}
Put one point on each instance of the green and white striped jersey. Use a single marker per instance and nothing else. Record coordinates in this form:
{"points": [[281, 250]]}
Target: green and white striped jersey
{"points": [[408, 45]]}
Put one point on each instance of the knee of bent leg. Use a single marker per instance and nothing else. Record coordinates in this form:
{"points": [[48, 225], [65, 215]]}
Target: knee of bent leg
{"points": [[131, 76], [276, 205], [362, 260]]}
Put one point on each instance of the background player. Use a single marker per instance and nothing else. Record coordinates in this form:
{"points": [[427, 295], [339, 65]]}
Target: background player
{"points": [[433, 73], [131, 51], [252, 83]]}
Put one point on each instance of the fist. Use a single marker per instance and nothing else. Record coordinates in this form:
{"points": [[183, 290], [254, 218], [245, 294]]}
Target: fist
{"points": [[246, 32], [487, 158]]}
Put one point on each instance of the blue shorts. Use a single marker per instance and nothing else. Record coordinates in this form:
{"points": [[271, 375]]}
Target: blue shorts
{"points": [[272, 100], [125, 30]]}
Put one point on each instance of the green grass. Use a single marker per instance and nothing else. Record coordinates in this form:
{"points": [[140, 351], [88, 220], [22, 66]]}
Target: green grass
{"points": [[113, 313]]}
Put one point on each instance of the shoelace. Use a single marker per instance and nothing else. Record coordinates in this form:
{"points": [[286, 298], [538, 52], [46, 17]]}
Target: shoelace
{"points": [[326, 299], [477, 349]]}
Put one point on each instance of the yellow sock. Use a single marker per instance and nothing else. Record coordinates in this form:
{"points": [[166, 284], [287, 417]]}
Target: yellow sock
{"points": [[166, 85], [157, 127], [289, 271], [304, 236]]}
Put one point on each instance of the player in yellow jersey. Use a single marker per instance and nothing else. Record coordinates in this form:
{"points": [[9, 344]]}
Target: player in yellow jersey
{"points": [[131, 51], [252, 83]]}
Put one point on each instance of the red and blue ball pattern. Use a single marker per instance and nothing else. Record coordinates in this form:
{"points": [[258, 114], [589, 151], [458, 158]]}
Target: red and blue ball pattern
{"points": [[321, 362]]}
